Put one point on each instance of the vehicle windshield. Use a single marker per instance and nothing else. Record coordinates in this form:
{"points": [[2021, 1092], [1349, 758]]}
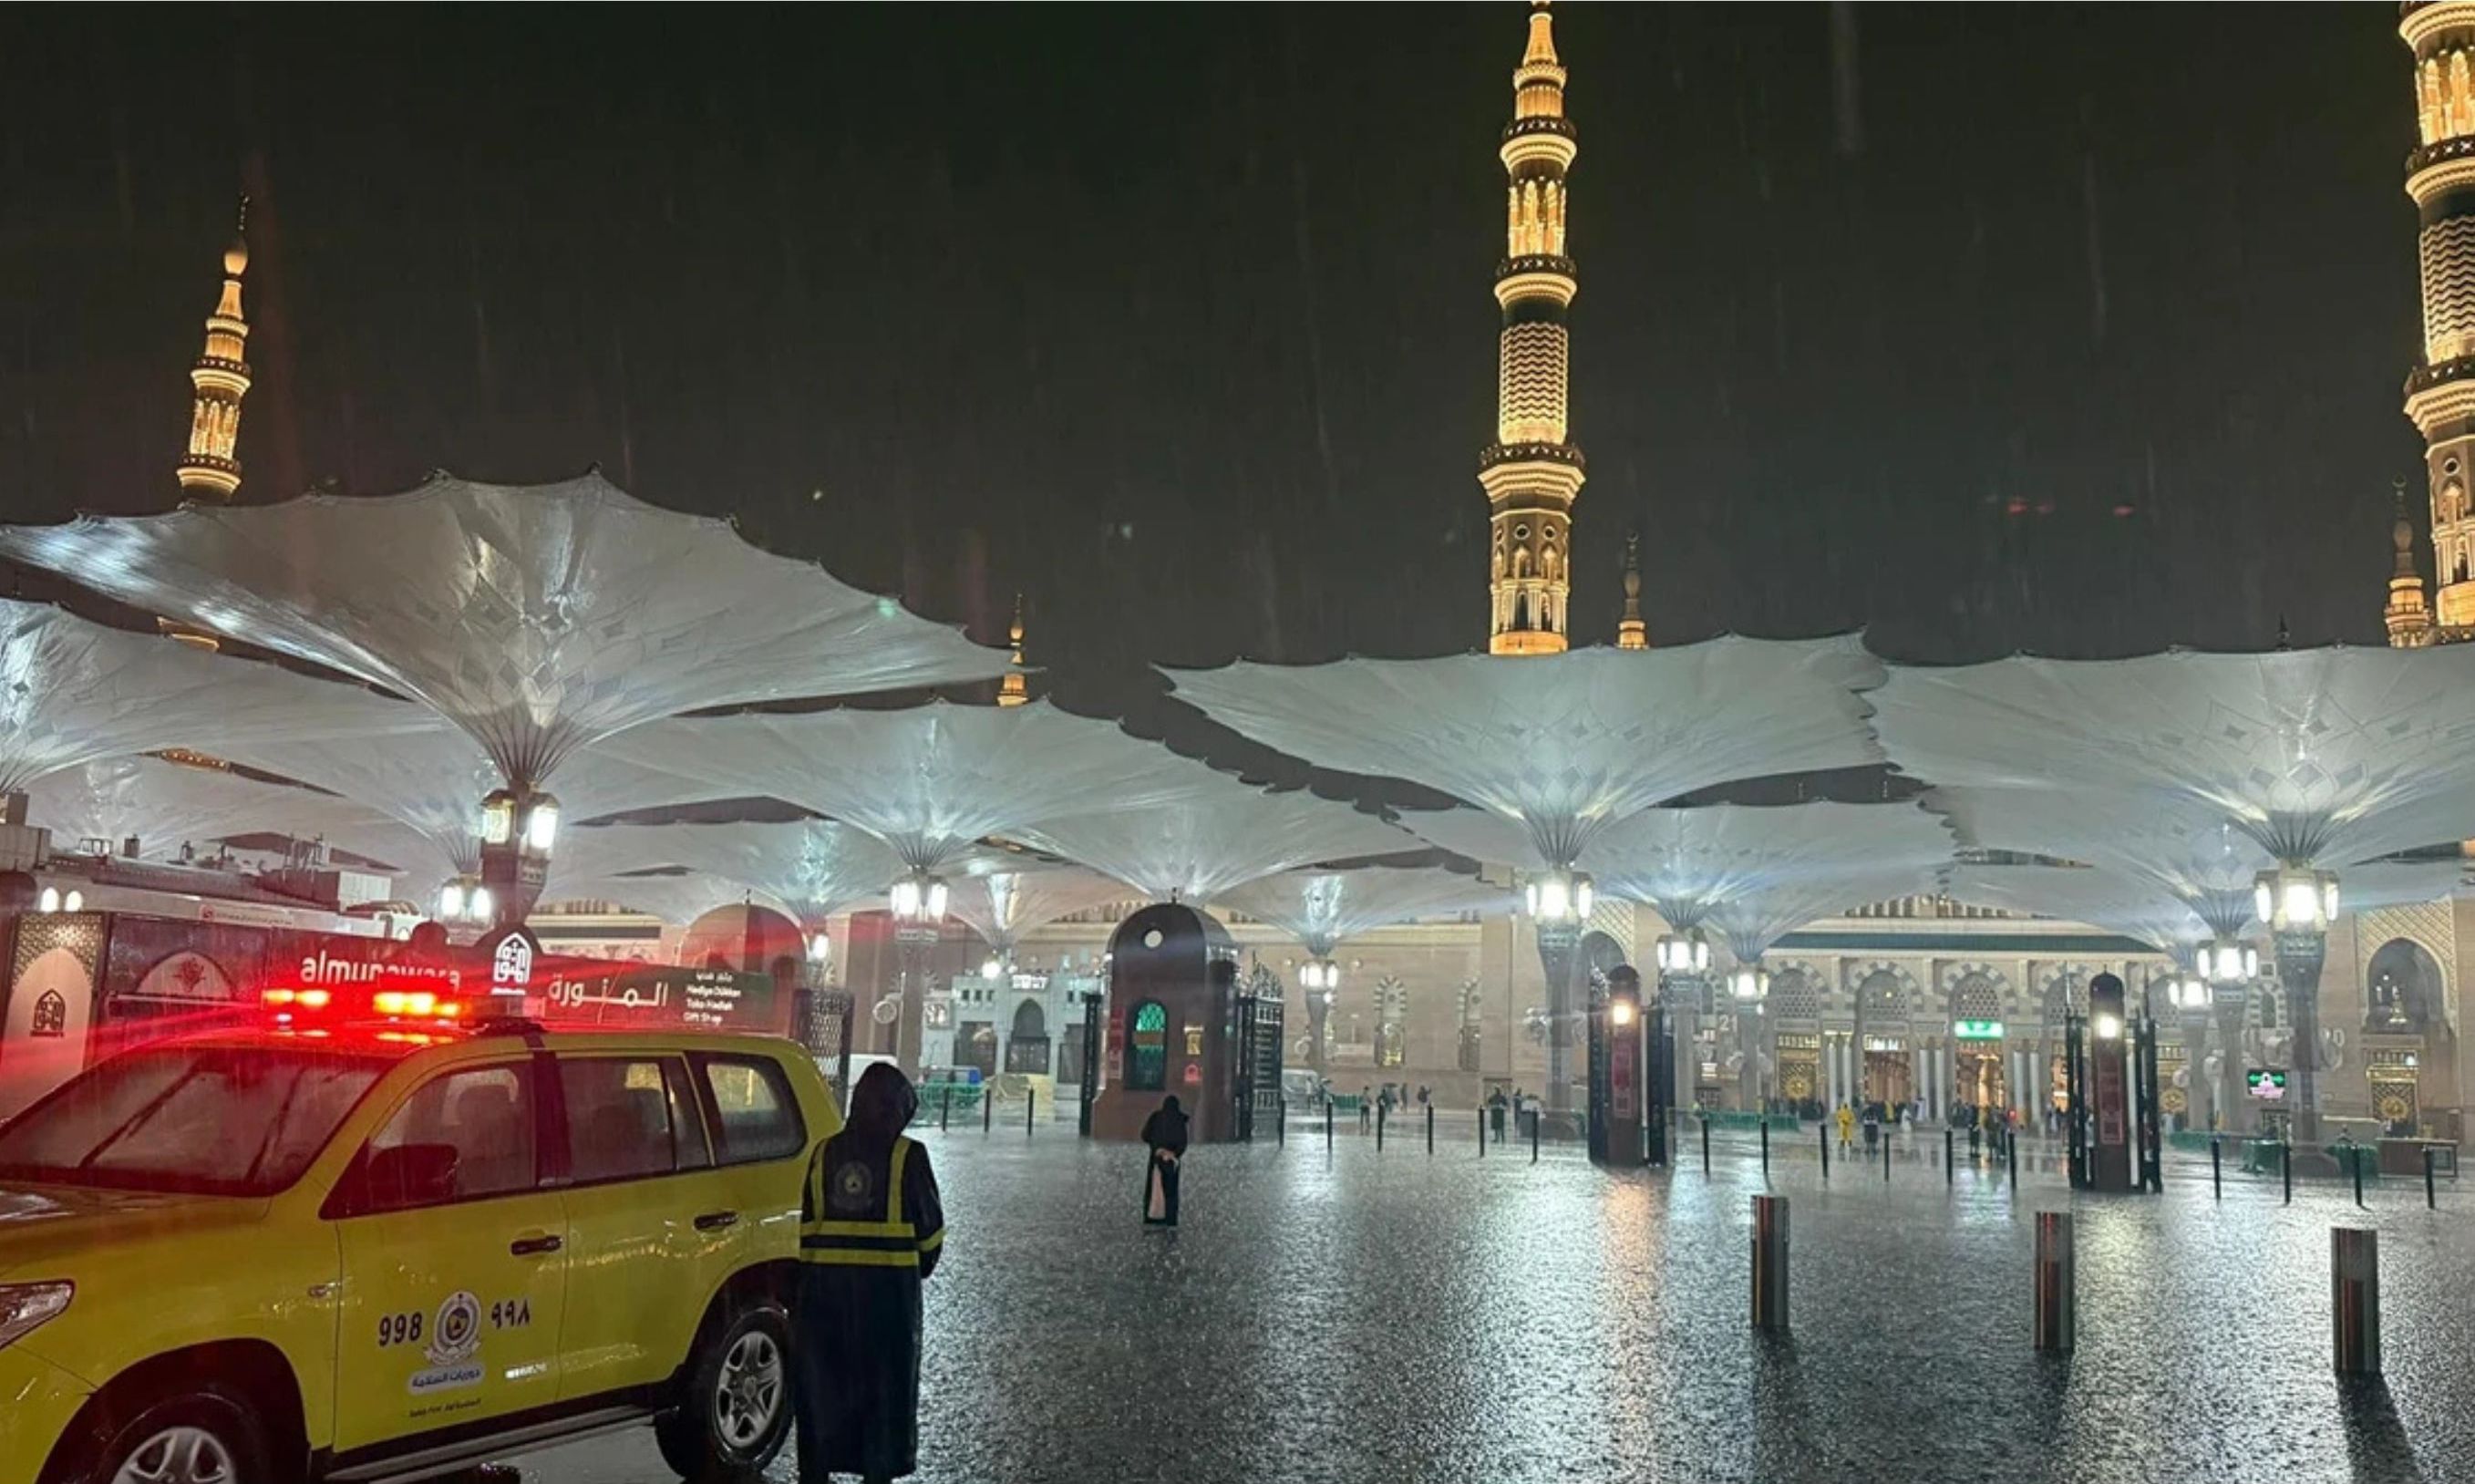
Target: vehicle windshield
{"points": [[210, 1120]]}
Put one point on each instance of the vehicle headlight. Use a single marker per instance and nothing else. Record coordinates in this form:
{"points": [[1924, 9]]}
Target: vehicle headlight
{"points": [[26, 1307]]}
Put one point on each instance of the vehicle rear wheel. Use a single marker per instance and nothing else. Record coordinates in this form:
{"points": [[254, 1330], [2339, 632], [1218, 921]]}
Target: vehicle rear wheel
{"points": [[736, 1410], [202, 1437]]}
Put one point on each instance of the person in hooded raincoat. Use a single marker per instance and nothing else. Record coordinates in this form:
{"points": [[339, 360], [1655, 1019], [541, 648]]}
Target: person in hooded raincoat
{"points": [[1165, 1144], [870, 1229]]}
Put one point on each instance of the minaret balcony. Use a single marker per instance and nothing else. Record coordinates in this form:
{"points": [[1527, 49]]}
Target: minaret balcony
{"points": [[1563, 453], [2441, 373]]}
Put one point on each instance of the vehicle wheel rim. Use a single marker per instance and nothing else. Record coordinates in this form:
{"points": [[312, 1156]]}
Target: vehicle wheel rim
{"points": [[179, 1455], [749, 1396]]}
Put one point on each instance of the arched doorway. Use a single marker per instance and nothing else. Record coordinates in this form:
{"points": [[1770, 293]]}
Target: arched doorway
{"points": [[1882, 1040], [1027, 1048], [1796, 1020], [1976, 1076], [2404, 995]]}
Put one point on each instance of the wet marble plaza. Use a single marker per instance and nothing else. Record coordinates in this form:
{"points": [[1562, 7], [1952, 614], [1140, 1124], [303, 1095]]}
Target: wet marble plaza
{"points": [[1358, 1316]]}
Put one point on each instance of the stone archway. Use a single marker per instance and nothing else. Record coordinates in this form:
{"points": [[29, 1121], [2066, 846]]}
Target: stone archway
{"points": [[2405, 1003], [1978, 1077], [1883, 1073]]}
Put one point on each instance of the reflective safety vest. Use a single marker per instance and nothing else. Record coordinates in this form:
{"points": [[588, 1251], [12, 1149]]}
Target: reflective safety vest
{"points": [[890, 1243]]}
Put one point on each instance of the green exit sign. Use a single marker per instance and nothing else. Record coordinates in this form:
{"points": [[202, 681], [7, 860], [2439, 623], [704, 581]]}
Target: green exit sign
{"points": [[1977, 1030]]}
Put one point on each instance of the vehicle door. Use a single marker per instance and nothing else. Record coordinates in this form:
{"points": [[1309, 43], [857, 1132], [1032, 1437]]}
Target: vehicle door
{"points": [[761, 1144], [654, 1228], [454, 1258]]}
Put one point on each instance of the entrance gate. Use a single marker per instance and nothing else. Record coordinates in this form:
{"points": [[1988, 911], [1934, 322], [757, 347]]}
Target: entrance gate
{"points": [[822, 1022], [1258, 1083]]}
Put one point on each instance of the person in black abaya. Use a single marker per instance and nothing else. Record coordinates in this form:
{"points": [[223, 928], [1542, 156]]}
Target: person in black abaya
{"points": [[871, 1228], [1164, 1137]]}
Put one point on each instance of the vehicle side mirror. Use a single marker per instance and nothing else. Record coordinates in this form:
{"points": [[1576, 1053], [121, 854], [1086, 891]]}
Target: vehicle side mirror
{"points": [[407, 1174]]}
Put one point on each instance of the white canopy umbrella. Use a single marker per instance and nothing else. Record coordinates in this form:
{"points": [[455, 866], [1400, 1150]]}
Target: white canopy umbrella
{"points": [[74, 691], [538, 618], [1003, 905], [432, 783], [1563, 745], [165, 805], [2321, 757], [930, 781], [1215, 834]]}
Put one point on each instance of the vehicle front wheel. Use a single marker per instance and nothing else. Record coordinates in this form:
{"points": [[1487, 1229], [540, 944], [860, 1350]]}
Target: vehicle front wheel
{"points": [[736, 1410], [202, 1437]]}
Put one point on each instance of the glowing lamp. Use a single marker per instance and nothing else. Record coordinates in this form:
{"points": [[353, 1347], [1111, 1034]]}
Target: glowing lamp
{"points": [[1750, 982], [498, 817], [2108, 1028], [1560, 896], [1621, 1012], [2296, 899], [541, 824]]}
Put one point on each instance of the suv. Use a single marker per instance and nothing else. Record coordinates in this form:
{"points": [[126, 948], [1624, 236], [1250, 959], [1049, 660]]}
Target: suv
{"points": [[359, 1252]]}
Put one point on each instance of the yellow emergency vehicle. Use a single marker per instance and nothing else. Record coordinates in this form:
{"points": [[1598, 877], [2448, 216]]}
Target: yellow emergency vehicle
{"points": [[306, 1251]]}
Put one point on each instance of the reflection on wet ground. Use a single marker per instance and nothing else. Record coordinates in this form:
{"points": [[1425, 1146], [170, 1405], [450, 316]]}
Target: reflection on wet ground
{"points": [[1354, 1316]]}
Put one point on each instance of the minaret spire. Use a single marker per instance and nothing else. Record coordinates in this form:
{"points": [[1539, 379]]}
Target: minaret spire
{"points": [[210, 469], [1531, 472], [2408, 617], [2440, 393], [1011, 690], [1631, 632]]}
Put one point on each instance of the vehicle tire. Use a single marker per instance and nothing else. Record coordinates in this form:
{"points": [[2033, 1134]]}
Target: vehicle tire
{"points": [[736, 1409], [202, 1436]]}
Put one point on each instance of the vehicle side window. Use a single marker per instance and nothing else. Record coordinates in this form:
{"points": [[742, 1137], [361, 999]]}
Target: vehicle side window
{"points": [[754, 1114], [695, 1151], [618, 1119], [465, 1135]]}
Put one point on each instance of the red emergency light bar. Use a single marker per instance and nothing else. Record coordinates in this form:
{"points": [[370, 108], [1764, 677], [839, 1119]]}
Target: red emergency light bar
{"points": [[385, 1004]]}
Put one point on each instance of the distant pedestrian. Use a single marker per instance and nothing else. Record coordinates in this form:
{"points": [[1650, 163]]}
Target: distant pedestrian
{"points": [[1846, 1128], [1164, 1140], [1872, 1121], [1365, 1108], [870, 1230]]}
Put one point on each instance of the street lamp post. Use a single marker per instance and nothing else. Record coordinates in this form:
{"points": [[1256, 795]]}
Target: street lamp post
{"points": [[519, 831], [1320, 978], [2297, 903], [919, 903], [1559, 903]]}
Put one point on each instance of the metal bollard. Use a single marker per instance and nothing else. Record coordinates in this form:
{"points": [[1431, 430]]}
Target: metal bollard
{"points": [[1766, 1147], [2431, 1200], [1482, 1130], [2011, 1158], [1281, 1129], [1886, 1156], [1948, 1174], [1029, 1106], [2355, 1158], [2287, 1158], [988, 1107], [1534, 1135], [1327, 1125], [1706, 1143], [1770, 1263], [2057, 1301], [1380, 1111], [1431, 1128], [2355, 1300], [2217, 1168], [1826, 1152], [945, 1115]]}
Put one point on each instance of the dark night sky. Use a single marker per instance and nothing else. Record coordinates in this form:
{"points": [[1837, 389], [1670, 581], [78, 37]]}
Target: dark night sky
{"points": [[2078, 330]]}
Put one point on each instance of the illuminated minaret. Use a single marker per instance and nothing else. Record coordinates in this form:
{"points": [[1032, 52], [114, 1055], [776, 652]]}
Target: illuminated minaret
{"points": [[1010, 690], [1531, 473], [2440, 394], [209, 470], [2407, 616], [1631, 632]]}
